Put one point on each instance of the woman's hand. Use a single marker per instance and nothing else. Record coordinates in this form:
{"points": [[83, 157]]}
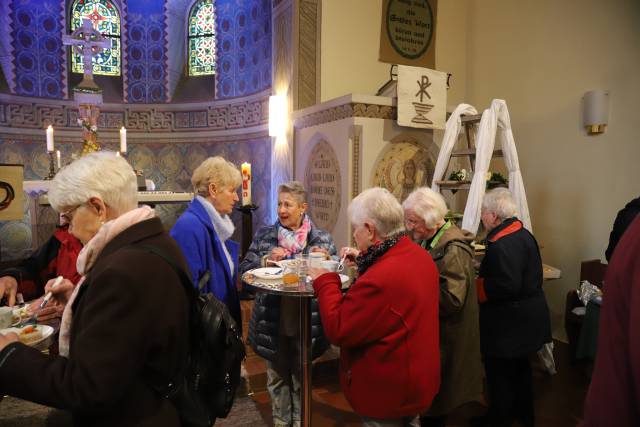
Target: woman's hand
{"points": [[314, 273], [351, 254], [9, 288], [277, 254], [59, 297], [7, 339]]}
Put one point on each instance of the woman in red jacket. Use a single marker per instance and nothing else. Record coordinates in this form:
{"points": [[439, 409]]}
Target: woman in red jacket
{"points": [[387, 323]]}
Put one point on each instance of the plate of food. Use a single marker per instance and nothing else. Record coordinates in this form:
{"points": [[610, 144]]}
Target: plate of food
{"points": [[21, 314], [32, 335], [268, 273]]}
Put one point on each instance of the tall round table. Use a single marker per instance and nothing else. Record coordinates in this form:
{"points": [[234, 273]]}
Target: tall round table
{"points": [[304, 292]]}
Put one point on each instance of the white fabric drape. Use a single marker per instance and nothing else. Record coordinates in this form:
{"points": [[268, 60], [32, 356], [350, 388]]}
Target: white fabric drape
{"points": [[452, 130], [493, 119]]}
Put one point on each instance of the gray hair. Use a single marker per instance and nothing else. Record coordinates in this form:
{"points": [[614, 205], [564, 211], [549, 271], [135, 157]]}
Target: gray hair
{"points": [[428, 205], [103, 175], [380, 207], [296, 189], [500, 202], [217, 171]]}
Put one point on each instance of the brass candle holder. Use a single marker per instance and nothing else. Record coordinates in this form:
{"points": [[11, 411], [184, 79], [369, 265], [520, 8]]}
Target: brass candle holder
{"points": [[52, 167]]}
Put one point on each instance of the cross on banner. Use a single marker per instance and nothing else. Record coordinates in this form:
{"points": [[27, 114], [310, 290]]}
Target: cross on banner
{"points": [[87, 41]]}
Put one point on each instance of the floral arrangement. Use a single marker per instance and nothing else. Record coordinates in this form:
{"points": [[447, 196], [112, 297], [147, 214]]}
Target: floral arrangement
{"points": [[494, 179], [90, 134]]}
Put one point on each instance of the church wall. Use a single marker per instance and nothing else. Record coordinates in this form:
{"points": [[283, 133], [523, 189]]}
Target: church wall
{"points": [[145, 53], [38, 59], [244, 47], [541, 57], [169, 164]]}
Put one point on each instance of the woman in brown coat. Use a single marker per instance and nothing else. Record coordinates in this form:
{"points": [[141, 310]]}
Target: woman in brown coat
{"points": [[450, 247], [125, 325]]}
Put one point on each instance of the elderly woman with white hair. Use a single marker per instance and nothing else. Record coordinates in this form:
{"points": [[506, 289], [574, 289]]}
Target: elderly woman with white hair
{"points": [[386, 325], [450, 248], [123, 326], [204, 231], [514, 317]]}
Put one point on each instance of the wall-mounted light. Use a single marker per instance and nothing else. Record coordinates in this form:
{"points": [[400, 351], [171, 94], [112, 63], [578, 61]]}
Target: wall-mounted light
{"points": [[277, 115], [596, 111]]}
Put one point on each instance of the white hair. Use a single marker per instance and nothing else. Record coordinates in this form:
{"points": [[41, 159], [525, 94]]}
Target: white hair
{"points": [[428, 205], [500, 202], [378, 206], [296, 189], [215, 170], [103, 175]]}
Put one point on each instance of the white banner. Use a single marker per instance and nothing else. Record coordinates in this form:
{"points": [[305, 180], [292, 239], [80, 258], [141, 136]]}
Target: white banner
{"points": [[422, 97]]}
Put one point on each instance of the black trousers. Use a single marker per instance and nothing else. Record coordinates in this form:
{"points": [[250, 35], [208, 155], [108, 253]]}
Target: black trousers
{"points": [[510, 391]]}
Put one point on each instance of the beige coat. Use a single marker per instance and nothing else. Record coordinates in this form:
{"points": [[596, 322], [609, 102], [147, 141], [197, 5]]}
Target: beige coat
{"points": [[461, 363]]}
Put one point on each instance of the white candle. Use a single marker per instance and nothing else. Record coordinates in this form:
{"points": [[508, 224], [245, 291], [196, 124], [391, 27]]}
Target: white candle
{"points": [[50, 139], [58, 157], [246, 183], [123, 140]]}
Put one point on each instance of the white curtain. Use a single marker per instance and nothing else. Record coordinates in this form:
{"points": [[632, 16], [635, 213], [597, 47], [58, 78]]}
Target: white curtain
{"points": [[493, 119], [452, 130]]}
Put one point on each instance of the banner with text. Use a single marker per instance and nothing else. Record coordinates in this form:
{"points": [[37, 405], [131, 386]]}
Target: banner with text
{"points": [[422, 97]]}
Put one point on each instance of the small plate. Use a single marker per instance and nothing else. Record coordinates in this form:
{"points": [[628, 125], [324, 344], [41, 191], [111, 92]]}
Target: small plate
{"points": [[268, 273], [41, 344]]}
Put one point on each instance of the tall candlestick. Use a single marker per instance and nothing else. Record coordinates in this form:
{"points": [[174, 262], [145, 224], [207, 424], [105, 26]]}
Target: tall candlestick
{"points": [[58, 157], [50, 139], [123, 139], [246, 183]]}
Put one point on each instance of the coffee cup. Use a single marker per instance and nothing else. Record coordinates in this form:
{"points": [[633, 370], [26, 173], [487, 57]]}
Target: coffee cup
{"points": [[6, 318], [330, 265]]}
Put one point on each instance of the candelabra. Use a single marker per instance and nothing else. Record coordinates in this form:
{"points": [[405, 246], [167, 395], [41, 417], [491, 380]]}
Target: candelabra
{"points": [[52, 167]]}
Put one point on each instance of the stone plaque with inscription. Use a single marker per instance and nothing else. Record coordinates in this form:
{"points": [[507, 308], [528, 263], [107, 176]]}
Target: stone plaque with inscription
{"points": [[323, 182], [403, 167]]}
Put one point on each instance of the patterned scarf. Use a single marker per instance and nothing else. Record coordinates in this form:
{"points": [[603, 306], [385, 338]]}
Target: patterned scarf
{"points": [[87, 258], [293, 242], [367, 258]]}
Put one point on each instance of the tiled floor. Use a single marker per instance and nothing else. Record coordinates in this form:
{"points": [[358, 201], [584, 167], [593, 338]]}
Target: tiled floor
{"points": [[559, 398]]}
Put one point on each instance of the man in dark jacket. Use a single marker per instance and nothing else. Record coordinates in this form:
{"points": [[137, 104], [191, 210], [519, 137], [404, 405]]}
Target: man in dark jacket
{"points": [[624, 218], [514, 317]]}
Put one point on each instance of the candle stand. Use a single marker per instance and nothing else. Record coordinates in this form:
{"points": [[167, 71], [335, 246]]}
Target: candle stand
{"points": [[52, 168]]}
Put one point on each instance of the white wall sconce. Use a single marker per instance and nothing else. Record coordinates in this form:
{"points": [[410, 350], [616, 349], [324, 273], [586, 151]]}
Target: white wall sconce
{"points": [[277, 115], [596, 111]]}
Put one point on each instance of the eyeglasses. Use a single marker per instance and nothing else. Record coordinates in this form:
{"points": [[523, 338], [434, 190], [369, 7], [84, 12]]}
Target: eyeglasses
{"points": [[68, 215], [410, 222]]}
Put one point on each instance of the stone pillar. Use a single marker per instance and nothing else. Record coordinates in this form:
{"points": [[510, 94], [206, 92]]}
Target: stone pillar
{"points": [[296, 74]]}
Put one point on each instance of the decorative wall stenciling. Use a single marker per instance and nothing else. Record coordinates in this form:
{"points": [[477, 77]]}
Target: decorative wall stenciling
{"points": [[106, 19], [201, 41], [169, 165], [146, 53], [252, 111], [244, 47], [347, 110], [39, 60]]}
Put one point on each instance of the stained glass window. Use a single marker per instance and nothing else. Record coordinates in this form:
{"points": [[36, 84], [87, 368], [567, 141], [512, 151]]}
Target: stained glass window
{"points": [[202, 39], [106, 20]]}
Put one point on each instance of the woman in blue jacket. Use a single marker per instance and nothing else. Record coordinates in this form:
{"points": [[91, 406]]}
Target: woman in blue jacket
{"points": [[204, 229]]}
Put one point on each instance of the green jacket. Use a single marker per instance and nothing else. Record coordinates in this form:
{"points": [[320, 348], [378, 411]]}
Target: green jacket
{"points": [[461, 363]]}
